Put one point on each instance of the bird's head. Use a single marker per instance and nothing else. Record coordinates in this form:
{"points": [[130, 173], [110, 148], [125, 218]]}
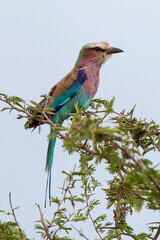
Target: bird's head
{"points": [[95, 53]]}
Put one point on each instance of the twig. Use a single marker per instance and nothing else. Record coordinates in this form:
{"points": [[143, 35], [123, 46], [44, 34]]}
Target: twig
{"points": [[118, 208], [117, 213], [80, 233], [138, 165], [90, 216], [158, 230], [134, 193], [60, 227], [102, 119], [157, 233], [132, 235], [43, 223], [144, 130], [60, 203], [15, 219]]}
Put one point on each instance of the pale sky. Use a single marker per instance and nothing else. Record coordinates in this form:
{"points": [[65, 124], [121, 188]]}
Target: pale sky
{"points": [[39, 44]]}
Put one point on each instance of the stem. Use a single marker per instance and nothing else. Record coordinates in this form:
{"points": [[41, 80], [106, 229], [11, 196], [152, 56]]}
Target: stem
{"points": [[13, 213], [80, 233], [157, 233], [43, 223], [90, 216]]}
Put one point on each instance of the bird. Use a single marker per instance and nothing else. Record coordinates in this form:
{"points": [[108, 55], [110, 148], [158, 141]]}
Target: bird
{"points": [[78, 86]]}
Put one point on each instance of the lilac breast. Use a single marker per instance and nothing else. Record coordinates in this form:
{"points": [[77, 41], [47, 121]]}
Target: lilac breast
{"points": [[91, 84]]}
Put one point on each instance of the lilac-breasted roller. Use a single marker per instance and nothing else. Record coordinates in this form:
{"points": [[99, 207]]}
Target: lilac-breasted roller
{"points": [[78, 86]]}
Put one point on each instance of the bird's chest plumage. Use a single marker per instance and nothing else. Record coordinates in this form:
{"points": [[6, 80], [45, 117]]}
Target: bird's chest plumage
{"points": [[91, 84]]}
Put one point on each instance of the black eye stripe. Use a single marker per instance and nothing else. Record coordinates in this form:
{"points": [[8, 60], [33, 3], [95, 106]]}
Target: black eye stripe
{"points": [[97, 49]]}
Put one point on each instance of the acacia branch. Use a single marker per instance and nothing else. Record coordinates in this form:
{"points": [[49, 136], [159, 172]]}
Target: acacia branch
{"points": [[43, 223], [87, 205], [157, 233], [60, 203], [80, 233], [137, 162], [15, 219], [148, 137]]}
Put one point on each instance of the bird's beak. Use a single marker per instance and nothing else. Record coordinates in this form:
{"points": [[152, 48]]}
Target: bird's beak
{"points": [[113, 50]]}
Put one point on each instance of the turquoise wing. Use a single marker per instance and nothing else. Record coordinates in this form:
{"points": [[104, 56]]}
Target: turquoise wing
{"points": [[64, 97]]}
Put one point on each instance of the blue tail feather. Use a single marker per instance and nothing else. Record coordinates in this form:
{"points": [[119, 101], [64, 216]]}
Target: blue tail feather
{"points": [[50, 152], [49, 162]]}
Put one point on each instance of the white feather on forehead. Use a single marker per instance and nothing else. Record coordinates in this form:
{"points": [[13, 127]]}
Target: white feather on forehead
{"points": [[103, 45]]}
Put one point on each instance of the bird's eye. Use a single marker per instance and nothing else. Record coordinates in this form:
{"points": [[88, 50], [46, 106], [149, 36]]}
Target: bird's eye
{"points": [[97, 49]]}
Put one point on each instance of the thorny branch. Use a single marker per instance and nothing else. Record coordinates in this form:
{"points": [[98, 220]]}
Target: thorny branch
{"points": [[80, 233], [87, 204], [47, 120], [62, 201], [43, 224], [84, 146], [157, 233], [137, 162], [52, 235], [15, 219]]}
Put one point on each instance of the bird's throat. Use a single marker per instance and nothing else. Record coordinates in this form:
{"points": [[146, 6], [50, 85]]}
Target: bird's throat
{"points": [[92, 83]]}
